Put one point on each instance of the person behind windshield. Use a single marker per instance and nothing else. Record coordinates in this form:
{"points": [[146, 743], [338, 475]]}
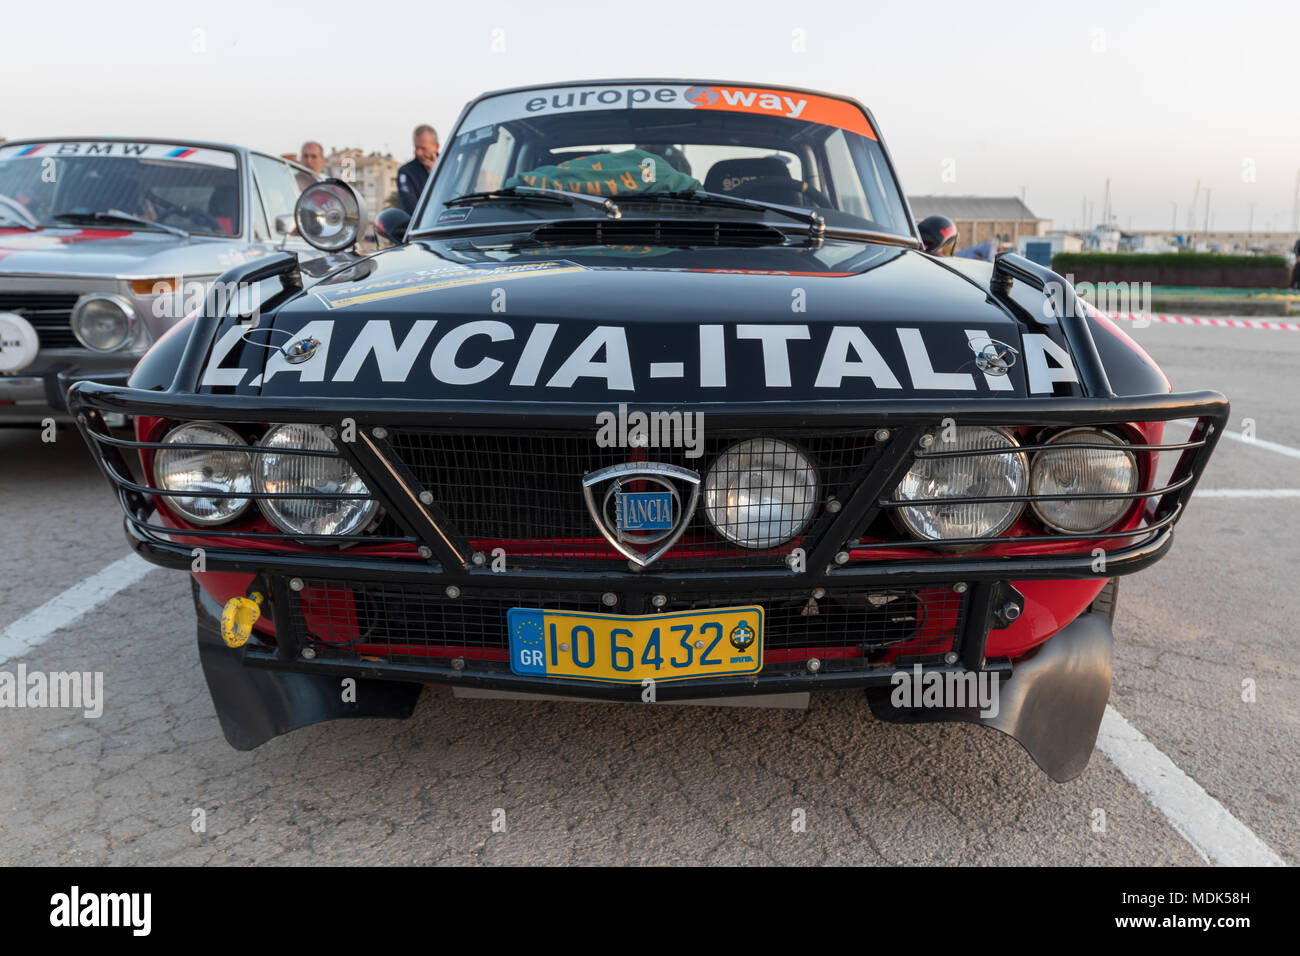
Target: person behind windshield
{"points": [[412, 177]]}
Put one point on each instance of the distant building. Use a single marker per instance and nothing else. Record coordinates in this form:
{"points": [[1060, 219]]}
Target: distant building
{"points": [[373, 175], [1003, 219], [1042, 248]]}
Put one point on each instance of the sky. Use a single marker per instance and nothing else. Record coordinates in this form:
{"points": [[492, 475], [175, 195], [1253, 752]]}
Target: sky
{"points": [[1046, 98]]}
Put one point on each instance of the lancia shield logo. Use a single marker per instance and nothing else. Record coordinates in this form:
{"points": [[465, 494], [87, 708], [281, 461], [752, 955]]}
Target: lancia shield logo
{"points": [[642, 507]]}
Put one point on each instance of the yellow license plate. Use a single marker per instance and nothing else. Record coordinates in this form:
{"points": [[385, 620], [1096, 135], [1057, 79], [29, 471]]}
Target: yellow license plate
{"points": [[619, 648]]}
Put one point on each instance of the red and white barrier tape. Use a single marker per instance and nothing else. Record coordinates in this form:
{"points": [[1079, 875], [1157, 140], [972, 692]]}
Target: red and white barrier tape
{"points": [[1144, 317]]}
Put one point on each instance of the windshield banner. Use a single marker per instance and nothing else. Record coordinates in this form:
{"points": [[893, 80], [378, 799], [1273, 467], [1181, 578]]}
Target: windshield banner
{"points": [[118, 150], [759, 101]]}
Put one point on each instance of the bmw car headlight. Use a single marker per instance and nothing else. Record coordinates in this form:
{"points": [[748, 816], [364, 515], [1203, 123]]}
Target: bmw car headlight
{"points": [[102, 322], [930, 480], [330, 215], [1083, 471], [310, 476], [760, 493], [201, 473]]}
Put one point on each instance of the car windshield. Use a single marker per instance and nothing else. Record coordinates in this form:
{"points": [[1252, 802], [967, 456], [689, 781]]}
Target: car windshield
{"points": [[61, 184], [642, 145]]}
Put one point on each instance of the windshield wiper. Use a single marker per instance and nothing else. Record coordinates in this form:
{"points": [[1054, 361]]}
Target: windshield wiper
{"points": [[114, 215], [816, 221], [516, 193]]}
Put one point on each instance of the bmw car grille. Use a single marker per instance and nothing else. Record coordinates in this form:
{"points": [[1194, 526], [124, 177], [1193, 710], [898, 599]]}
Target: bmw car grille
{"points": [[50, 314]]}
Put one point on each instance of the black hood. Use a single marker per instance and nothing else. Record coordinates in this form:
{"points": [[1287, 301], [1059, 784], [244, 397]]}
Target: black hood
{"points": [[644, 323]]}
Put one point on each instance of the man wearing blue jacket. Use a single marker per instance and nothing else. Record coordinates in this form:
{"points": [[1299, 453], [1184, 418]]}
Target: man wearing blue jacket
{"points": [[412, 177]]}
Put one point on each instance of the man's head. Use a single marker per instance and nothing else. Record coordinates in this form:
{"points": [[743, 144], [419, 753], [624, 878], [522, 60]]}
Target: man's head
{"points": [[426, 144], [312, 156]]}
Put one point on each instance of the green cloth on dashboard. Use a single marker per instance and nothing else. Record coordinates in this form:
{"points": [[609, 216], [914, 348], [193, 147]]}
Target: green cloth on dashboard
{"points": [[609, 175]]}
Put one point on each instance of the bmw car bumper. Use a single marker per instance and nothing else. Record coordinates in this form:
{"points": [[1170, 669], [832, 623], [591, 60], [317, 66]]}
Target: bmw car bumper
{"points": [[29, 399]]}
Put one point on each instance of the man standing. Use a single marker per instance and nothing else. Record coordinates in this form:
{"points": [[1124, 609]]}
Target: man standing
{"points": [[412, 177], [1295, 270], [312, 155]]}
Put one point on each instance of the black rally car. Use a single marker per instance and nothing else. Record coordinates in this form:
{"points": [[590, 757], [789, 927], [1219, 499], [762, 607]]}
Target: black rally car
{"points": [[660, 394]]}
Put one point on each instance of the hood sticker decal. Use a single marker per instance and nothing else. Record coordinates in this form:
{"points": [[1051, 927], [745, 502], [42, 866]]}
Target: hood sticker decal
{"points": [[774, 361], [430, 280]]}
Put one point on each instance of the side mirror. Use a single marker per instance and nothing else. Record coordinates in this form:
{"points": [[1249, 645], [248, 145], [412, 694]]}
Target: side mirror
{"points": [[938, 235], [392, 224], [285, 225]]}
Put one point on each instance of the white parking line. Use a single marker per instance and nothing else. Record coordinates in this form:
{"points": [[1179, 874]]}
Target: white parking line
{"points": [[1238, 436], [1260, 443], [1215, 834], [31, 630], [1246, 493]]}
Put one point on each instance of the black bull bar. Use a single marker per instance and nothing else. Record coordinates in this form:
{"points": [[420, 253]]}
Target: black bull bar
{"points": [[449, 561]]}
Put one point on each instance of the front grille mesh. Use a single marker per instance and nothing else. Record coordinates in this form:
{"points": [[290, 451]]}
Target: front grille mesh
{"points": [[50, 314], [523, 491], [406, 622]]}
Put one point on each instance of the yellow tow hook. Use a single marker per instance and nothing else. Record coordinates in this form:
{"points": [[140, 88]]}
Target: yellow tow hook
{"points": [[238, 617]]}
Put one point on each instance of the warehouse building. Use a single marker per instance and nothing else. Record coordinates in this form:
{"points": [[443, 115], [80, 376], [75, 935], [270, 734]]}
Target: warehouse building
{"points": [[982, 218]]}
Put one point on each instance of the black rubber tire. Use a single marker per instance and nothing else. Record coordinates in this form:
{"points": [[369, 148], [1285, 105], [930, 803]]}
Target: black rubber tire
{"points": [[1106, 602]]}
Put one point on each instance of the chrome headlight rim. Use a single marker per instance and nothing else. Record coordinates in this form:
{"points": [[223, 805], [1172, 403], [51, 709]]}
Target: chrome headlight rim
{"points": [[367, 516], [905, 521], [1090, 432], [124, 305], [765, 544], [352, 224], [170, 499]]}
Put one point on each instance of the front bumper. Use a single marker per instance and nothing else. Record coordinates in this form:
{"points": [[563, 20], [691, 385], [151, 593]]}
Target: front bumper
{"points": [[28, 399], [1051, 703]]}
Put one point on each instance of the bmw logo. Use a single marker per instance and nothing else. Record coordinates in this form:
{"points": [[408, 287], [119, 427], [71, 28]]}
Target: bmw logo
{"points": [[742, 635]]}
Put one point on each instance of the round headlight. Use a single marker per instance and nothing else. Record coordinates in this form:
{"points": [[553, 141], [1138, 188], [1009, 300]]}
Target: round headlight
{"points": [[1083, 471], [760, 493], [969, 476], [330, 215], [310, 475], [103, 323], [201, 473]]}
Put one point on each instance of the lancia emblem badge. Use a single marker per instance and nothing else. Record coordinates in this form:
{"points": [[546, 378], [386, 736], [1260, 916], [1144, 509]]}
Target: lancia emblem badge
{"points": [[642, 507]]}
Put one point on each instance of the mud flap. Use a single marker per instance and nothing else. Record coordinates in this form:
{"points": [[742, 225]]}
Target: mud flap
{"points": [[1052, 704], [254, 704]]}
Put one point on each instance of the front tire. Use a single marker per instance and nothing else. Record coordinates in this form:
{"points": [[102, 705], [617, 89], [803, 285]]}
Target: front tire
{"points": [[1105, 602]]}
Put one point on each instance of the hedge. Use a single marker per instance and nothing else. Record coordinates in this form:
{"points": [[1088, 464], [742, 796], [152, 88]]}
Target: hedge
{"points": [[1177, 260]]}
